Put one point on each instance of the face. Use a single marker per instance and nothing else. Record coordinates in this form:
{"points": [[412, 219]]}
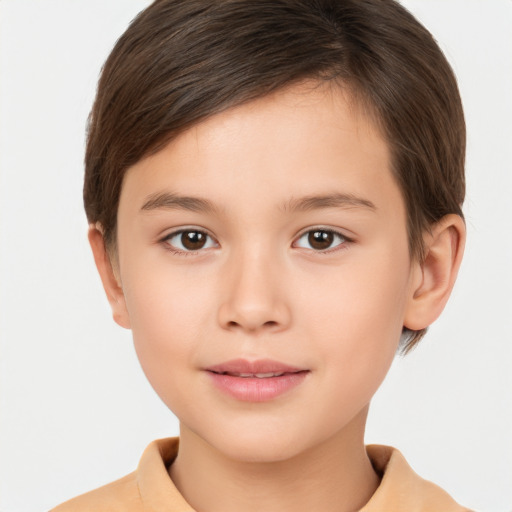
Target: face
{"points": [[265, 271]]}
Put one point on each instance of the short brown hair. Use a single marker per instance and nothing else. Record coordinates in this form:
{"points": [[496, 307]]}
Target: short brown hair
{"points": [[181, 61]]}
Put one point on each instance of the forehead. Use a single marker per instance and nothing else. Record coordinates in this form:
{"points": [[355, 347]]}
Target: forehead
{"points": [[306, 139]]}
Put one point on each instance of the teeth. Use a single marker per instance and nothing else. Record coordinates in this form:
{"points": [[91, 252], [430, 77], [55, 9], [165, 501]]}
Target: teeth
{"points": [[260, 375], [254, 375]]}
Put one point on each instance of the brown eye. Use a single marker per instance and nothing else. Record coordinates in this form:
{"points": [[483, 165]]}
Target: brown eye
{"points": [[190, 240], [193, 240], [320, 239]]}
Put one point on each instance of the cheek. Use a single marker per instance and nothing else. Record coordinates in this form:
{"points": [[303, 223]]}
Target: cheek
{"points": [[363, 301], [164, 300], [358, 323], [167, 315]]}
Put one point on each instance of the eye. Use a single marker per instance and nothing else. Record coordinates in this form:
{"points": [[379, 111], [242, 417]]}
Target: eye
{"points": [[189, 240], [320, 239]]}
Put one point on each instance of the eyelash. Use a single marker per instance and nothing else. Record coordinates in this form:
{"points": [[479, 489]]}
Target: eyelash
{"points": [[340, 246], [166, 241]]}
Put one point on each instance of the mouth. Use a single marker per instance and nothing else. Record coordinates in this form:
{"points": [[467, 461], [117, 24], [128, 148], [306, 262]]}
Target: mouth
{"points": [[255, 381], [267, 375], [261, 368]]}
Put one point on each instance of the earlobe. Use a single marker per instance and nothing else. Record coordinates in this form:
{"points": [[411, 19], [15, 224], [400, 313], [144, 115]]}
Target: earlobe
{"points": [[434, 277], [108, 277]]}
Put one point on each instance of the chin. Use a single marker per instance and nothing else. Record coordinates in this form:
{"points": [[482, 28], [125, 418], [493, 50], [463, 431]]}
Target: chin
{"points": [[260, 443]]}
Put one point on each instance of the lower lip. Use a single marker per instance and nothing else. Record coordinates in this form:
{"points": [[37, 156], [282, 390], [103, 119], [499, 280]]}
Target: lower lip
{"points": [[252, 389]]}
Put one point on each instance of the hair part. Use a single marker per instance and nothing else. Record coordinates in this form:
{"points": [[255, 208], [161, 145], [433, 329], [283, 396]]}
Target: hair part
{"points": [[181, 61]]}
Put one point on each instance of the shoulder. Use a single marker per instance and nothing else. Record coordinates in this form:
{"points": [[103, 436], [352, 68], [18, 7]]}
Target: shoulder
{"points": [[147, 488], [121, 495], [401, 489]]}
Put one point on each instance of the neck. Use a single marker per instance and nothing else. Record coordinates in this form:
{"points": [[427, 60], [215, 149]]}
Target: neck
{"points": [[336, 476]]}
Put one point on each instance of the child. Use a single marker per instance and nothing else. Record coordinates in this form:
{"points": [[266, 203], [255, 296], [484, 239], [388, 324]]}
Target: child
{"points": [[274, 193]]}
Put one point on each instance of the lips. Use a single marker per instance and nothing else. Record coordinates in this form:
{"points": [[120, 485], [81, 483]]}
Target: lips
{"points": [[256, 375], [255, 381]]}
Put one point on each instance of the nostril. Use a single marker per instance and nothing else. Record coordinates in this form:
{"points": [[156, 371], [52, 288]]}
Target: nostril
{"points": [[236, 315], [268, 324]]}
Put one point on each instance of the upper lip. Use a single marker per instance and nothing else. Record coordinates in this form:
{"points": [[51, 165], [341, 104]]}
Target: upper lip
{"points": [[261, 366]]}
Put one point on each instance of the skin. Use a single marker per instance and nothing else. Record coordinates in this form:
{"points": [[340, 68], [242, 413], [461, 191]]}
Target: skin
{"points": [[258, 289]]}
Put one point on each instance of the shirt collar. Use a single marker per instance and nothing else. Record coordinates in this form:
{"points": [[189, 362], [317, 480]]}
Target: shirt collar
{"points": [[400, 490]]}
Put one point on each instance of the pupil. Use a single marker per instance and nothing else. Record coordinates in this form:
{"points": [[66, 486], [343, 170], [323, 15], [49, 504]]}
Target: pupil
{"points": [[320, 239], [193, 240]]}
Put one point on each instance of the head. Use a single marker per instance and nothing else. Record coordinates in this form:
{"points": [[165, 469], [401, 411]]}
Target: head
{"points": [[291, 130], [181, 62]]}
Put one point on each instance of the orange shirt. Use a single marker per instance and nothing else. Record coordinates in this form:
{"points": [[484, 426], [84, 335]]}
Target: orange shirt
{"points": [[149, 489]]}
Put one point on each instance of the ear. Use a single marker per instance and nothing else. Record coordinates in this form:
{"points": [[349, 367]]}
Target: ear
{"points": [[111, 282], [433, 278]]}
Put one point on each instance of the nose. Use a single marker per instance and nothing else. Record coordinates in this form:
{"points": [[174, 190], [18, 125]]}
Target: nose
{"points": [[254, 298]]}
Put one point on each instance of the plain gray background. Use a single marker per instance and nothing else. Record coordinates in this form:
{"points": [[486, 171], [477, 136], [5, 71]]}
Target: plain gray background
{"points": [[76, 411]]}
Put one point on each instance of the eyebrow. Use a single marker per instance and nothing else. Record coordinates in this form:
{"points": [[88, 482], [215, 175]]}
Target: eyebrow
{"points": [[171, 201], [336, 200]]}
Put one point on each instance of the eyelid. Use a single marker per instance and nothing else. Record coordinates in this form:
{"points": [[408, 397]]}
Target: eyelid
{"points": [[177, 231], [342, 245]]}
